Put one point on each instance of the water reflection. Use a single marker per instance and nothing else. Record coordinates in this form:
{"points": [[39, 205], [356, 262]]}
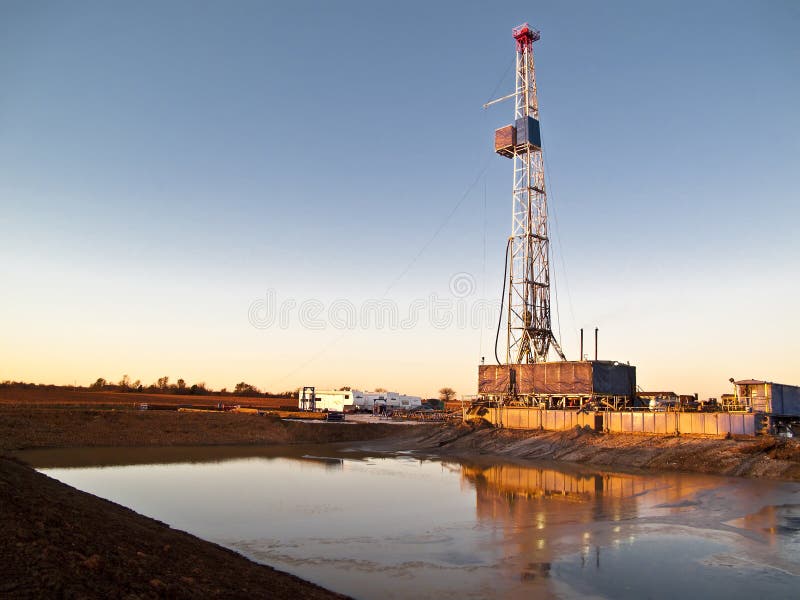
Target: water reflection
{"points": [[70, 458], [400, 527]]}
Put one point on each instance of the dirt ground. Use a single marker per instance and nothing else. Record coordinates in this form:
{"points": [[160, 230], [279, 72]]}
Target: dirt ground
{"points": [[28, 427], [59, 542]]}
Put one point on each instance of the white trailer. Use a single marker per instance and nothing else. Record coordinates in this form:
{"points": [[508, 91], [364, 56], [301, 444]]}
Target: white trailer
{"points": [[390, 401], [331, 400], [355, 400]]}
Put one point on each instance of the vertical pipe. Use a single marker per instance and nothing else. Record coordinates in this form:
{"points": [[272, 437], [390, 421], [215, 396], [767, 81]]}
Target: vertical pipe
{"points": [[595, 342], [581, 358]]}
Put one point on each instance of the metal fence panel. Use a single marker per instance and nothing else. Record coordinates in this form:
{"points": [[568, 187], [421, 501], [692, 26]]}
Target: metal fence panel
{"points": [[637, 422], [665, 423], [713, 424]]}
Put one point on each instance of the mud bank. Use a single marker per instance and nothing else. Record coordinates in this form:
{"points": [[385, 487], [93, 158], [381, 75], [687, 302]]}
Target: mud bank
{"points": [[59, 542], [763, 457], [22, 428]]}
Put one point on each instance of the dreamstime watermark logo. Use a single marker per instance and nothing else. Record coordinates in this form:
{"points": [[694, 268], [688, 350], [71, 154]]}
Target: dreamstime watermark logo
{"points": [[461, 309], [462, 285]]}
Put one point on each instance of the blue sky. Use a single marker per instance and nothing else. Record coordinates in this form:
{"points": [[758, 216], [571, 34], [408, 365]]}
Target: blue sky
{"points": [[163, 166]]}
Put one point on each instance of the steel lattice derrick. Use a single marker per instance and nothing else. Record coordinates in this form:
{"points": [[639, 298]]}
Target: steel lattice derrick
{"points": [[529, 328]]}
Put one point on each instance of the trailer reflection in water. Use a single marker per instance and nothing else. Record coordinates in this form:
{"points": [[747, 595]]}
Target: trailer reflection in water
{"points": [[402, 527]]}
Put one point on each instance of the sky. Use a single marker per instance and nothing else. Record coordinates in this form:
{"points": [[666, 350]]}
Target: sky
{"points": [[306, 193]]}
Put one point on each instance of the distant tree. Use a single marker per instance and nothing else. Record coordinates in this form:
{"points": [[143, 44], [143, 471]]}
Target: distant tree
{"points": [[380, 389], [245, 389], [198, 388], [125, 382], [162, 383], [137, 385], [181, 385], [345, 388], [99, 384], [446, 394]]}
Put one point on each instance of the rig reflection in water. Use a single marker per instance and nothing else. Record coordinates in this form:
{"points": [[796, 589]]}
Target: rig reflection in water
{"points": [[396, 526]]}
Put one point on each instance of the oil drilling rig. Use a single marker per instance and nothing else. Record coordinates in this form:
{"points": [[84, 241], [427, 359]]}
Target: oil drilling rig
{"points": [[526, 377]]}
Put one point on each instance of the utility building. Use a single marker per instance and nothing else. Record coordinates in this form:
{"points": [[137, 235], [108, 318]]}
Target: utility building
{"points": [[774, 399]]}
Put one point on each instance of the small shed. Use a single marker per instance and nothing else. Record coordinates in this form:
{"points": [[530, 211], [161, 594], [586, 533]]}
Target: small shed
{"points": [[767, 397]]}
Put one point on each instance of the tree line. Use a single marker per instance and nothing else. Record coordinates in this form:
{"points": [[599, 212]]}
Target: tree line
{"points": [[161, 386]]}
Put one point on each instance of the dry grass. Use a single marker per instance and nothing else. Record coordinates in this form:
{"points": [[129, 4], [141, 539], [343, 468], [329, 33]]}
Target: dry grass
{"points": [[59, 427], [54, 397]]}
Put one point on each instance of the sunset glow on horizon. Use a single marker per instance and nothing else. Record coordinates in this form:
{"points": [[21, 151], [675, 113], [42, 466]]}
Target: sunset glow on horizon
{"points": [[295, 195]]}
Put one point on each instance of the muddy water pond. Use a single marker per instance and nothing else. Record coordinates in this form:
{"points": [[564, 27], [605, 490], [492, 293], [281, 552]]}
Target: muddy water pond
{"points": [[403, 526]]}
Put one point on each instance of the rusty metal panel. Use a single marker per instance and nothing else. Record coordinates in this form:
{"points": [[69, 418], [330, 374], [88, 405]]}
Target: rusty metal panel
{"points": [[582, 378], [492, 379], [505, 139], [526, 379], [562, 378]]}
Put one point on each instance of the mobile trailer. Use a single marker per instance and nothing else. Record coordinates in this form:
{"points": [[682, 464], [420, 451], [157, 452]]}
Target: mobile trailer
{"points": [[357, 401], [331, 400], [376, 401]]}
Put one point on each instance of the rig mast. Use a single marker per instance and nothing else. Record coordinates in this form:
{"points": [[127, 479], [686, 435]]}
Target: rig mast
{"points": [[527, 378], [529, 333]]}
